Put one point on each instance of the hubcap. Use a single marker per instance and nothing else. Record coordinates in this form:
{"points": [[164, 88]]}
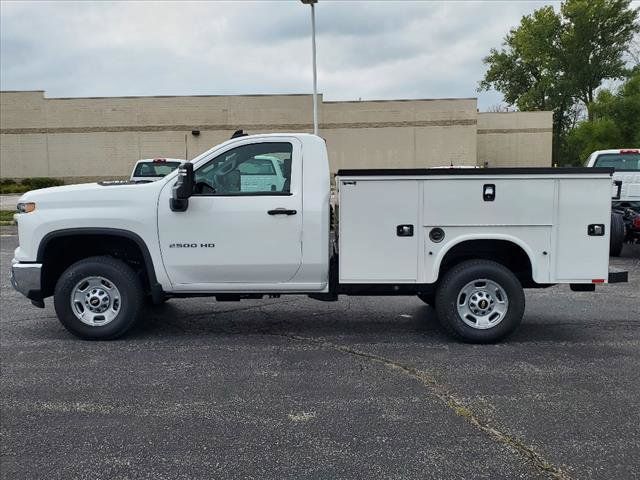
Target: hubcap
{"points": [[482, 304], [95, 301]]}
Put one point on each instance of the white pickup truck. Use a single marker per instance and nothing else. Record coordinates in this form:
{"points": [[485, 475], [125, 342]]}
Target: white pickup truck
{"points": [[152, 169], [466, 241], [625, 216], [626, 165]]}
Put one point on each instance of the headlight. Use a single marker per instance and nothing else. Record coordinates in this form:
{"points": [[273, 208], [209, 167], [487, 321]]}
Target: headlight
{"points": [[26, 207]]}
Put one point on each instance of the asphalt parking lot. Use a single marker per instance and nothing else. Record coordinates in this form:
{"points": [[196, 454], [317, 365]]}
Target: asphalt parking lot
{"points": [[293, 388]]}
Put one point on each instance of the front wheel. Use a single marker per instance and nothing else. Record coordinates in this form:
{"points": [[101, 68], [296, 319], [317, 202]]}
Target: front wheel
{"points": [[480, 301], [98, 298]]}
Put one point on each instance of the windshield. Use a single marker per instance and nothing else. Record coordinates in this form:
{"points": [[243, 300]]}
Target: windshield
{"points": [[619, 161], [155, 169]]}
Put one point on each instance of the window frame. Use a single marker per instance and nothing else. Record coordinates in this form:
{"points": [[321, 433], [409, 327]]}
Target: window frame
{"points": [[295, 151], [595, 163], [141, 165]]}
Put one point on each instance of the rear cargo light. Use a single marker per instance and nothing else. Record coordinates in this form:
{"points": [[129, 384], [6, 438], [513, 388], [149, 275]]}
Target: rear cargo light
{"points": [[597, 280], [623, 152], [159, 160]]}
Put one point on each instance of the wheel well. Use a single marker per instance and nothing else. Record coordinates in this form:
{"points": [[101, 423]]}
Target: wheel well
{"points": [[504, 252], [61, 251]]}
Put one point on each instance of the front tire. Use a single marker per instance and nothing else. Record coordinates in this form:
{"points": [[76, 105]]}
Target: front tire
{"points": [[98, 298], [480, 301]]}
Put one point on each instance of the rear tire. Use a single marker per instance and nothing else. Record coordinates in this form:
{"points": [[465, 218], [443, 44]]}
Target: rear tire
{"points": [[98, 298], [616, 237], [480, 301]]}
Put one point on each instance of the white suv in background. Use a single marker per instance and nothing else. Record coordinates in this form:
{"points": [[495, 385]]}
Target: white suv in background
{"points": [[152, 169]]}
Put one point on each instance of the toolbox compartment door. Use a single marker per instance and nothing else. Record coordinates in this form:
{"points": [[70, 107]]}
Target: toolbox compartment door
{"points": [[379, 229], [580, 255]]}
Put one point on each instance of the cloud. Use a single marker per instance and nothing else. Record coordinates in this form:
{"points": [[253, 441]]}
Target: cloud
{"points": [[369, 50]]}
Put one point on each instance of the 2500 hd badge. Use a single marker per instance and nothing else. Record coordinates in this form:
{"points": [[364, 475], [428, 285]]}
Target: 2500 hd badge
{"points": [[192, 245]]}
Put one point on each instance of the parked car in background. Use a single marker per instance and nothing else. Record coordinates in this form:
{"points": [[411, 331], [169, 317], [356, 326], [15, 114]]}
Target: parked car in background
{"points": [[625, 207], [152, 169]]}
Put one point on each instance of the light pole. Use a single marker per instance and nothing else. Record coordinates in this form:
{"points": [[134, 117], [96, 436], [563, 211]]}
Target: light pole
{"points": [[313, 53]]}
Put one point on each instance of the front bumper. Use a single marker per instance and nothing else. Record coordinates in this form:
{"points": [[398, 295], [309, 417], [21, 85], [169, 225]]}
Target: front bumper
{"points": [[26, 279]]}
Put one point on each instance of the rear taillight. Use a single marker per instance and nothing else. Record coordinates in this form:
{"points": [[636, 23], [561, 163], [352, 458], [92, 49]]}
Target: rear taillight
{"points": [[636, 222]]}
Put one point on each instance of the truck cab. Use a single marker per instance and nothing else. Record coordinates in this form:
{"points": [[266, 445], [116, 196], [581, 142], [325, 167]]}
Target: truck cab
{"points": [[626, 165]]}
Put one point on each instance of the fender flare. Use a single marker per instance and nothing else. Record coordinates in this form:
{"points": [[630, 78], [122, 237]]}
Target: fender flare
{"points": [[482, 236], [155, 288]]}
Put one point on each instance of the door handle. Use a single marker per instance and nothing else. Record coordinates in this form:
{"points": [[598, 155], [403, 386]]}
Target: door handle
{"points": [[282, 211]]}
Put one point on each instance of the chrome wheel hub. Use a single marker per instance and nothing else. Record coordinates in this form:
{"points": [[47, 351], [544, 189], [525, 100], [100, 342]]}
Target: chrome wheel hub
{"points": [[95, 301], [482, 304]]}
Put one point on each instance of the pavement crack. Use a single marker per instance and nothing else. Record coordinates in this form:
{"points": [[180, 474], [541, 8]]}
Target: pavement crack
{"points": [[451, 401]]}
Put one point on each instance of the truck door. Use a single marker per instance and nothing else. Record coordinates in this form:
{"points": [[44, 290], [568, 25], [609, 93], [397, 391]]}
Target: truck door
{"points": [[237, 231]]}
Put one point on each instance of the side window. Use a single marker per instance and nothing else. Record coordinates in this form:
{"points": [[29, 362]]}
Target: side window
{"points": [[254, 169]]}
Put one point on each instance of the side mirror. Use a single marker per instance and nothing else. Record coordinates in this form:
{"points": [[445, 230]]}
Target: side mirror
{"points": [[183, 188]]}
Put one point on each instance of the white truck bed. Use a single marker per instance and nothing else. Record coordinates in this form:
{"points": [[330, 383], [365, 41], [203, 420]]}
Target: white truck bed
{"points": [[546, 212]]}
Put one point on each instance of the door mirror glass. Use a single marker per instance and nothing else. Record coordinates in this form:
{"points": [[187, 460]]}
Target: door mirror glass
{"points": [[183, 188]]}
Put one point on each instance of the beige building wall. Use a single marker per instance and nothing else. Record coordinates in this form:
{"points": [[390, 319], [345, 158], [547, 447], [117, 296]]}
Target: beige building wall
{"points": [[400, 133], [95, 138], [515, 139]]}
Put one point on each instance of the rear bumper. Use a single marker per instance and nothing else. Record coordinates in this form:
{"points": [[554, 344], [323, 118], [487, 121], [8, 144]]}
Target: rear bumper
{"points": [[26, 279], [616, 276]]}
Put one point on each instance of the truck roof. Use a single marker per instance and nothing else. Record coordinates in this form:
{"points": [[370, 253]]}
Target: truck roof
{"points": [[392, 172], [615, 150]]}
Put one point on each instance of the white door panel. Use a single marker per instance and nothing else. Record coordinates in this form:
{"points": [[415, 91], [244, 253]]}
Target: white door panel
{"points": [[233, 239]]}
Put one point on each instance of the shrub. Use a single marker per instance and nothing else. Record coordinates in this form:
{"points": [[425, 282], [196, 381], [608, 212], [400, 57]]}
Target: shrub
{"points": [[8, 185], [6, 215], [41, 182]]}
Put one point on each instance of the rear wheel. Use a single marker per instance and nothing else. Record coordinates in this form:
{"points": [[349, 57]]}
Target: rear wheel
{"points": [[480, 301], [616, 237], [98, 298]]}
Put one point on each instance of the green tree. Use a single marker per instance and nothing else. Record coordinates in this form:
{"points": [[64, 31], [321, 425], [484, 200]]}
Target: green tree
{"points": [[594, 38], [526, 69], [557, 60], [615, 123]]}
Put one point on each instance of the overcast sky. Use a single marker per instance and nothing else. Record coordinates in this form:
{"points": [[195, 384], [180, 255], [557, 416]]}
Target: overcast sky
{"points": [[366, 49]]}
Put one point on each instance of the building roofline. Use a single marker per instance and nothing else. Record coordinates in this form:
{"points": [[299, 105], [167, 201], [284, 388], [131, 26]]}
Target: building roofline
{"points": [[243, 95], [128, 97], [401, 100], [520, 111]]}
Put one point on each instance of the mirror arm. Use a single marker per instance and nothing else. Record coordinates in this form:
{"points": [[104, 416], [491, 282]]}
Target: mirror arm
{"points": [[178, 204]]}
